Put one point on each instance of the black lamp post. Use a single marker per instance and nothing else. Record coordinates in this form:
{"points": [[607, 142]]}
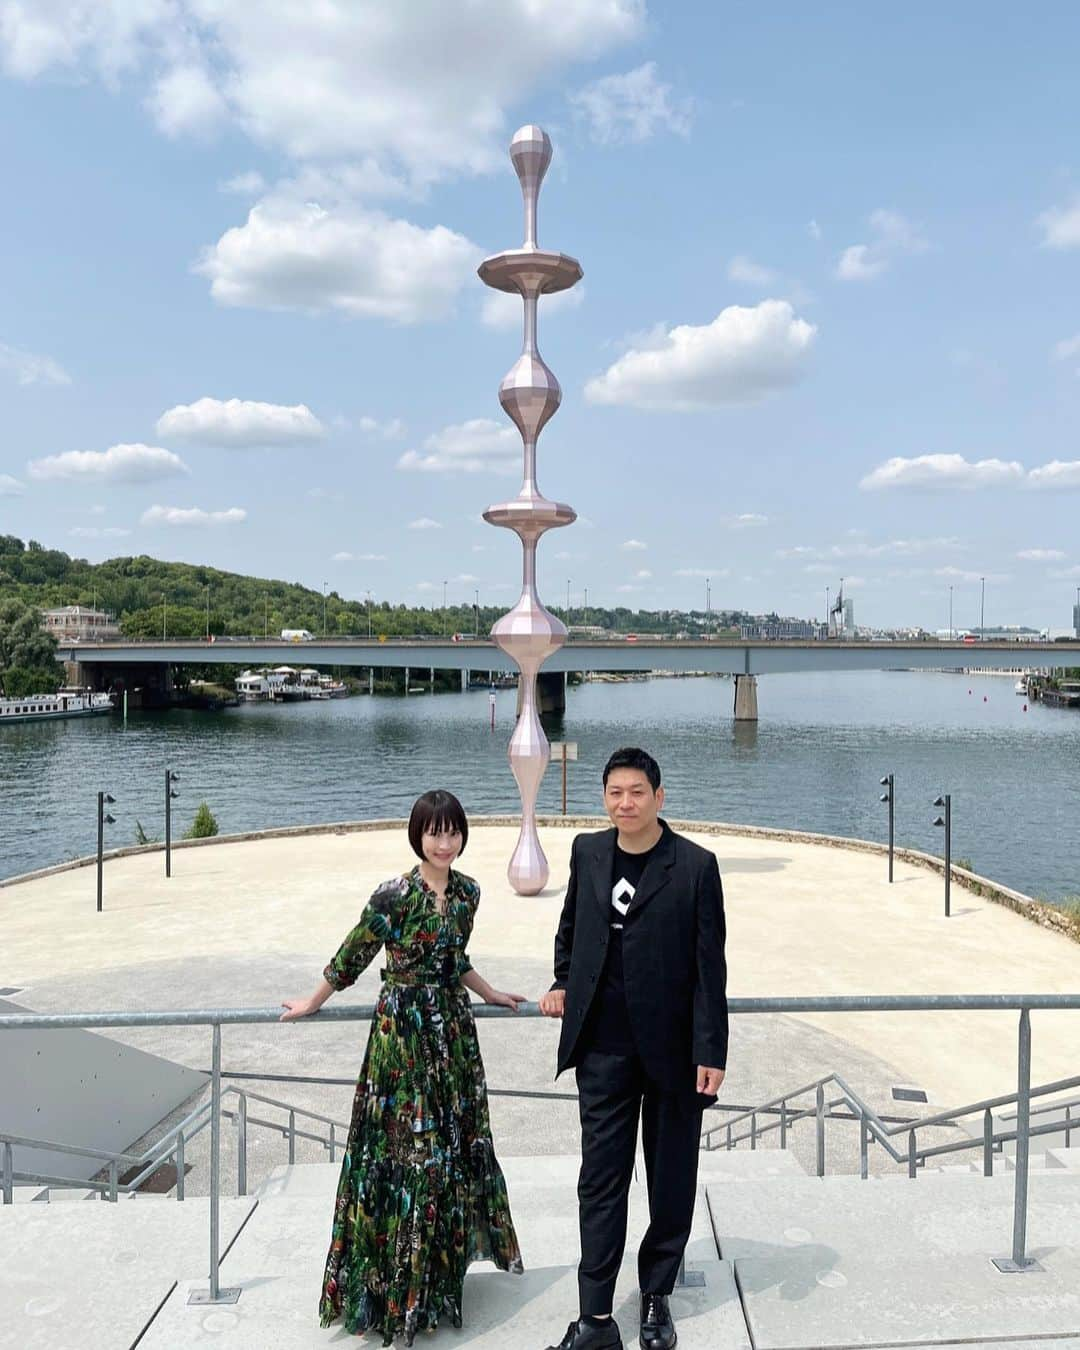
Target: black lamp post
{"points": [[103, 799], [889, 796], [170, 796], [946, 823]]}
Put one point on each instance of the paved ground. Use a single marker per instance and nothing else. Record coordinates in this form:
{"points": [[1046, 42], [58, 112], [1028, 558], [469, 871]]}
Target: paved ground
{"points": [[253, 922]]}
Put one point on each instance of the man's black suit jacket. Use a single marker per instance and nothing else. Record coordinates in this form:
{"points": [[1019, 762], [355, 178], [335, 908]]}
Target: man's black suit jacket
{"points": [[673, 956]]}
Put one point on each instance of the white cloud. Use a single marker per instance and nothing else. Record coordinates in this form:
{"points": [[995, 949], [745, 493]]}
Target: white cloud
{"points": [[422, 87], [862, 548], [643, 574], [239, 423], [302, 256], [424, 523], [702, 572], [185, 101], [1064, 573], [28, 368], [1066, 348], [1061, 226], [748, 520], [10, 487], [477, 446], [249, 184], [741, 268], [628, 588], [1041, 554], [119, 464], [961, 574], [813, 229], [942, 471], [486, 548], [633, 545], [358, 557], [631, 107], [743, 355], [391, 430], [502, 310], [1058, 473], [191, 515], [892, 236], [98, 532]]}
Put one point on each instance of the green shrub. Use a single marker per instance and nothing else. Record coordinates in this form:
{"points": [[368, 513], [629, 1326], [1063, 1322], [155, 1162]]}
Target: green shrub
{"points": [[204, 826], [22, 681], [141, 837]]}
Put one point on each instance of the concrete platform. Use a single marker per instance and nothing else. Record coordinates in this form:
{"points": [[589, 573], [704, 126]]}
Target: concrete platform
{"points": [[90, 1276], [838, 1263], [278, 1262]]}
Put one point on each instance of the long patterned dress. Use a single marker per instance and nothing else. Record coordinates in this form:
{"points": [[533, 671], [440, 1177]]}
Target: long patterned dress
{"points": [[421, 1194]]}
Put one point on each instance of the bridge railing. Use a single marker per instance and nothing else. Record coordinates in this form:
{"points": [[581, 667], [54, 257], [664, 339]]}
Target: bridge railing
{"points": [[210, 1114]]}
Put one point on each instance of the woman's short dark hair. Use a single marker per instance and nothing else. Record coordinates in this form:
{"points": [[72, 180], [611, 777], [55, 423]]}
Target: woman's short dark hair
{"points": [[630, 757], [434, 812]]}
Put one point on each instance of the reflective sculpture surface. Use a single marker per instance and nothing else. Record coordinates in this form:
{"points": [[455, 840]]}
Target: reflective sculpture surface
{"points": [[530, 396]]}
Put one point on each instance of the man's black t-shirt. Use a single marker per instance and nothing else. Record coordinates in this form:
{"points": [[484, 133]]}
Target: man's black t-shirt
{"points": [[608, 1027]]}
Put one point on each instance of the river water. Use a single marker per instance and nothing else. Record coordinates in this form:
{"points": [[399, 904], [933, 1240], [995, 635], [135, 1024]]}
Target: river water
{"points": [[812, 762]]}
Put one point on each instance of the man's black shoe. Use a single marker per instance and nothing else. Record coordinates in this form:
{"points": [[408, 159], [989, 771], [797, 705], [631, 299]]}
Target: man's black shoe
{"points": [[581, 1336], [657, 1328]]}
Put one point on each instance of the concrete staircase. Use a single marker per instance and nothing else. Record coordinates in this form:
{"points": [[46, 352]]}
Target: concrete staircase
{"points": [[789, 1262]]}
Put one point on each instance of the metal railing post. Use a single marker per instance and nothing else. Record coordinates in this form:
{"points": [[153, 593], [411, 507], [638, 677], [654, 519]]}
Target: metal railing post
{"points": [[241, 1146], [8, 1175], [113, 1179], [729, 1143], [821, 1129], [1068, 1125], [783, 1124], [292, 1137], [753, 1132], [180, 1166], [1020, 1261], [333, 1144], [864, 1147], [988, 1143], [215, 1294], [912, 1156]]}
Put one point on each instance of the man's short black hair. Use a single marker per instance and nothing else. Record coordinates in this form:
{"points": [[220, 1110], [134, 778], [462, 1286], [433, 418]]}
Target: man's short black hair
{"points": [[630, 757], [434, 812]]}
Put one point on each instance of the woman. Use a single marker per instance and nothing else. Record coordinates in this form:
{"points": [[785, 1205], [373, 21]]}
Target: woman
{"points": [[421, 1193]]}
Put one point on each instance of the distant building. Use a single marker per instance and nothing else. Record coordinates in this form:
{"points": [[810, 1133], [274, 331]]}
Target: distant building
{"points": [[849, 618], [1076, 620], [76, 622]]}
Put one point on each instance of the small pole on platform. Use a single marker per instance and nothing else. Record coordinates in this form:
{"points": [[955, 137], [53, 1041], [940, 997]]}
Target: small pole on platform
{"points": [[564, 785], [491, 705], [1020, 1263], [946, 821], [103, 819], [170, 795], [889, 796], [215, 1294]]}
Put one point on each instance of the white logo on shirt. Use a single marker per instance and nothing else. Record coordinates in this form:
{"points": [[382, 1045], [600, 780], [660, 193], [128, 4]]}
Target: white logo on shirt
{"points": [[618, 891]]}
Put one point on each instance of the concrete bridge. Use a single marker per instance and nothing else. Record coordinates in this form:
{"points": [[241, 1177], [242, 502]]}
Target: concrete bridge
{"points": [[150, 662]]}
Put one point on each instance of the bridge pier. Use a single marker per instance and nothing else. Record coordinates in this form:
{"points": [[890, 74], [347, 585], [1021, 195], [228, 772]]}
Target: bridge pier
{"points": [[464, 681], [371, 679], [746, 709], [550, 692], [406, 681]]}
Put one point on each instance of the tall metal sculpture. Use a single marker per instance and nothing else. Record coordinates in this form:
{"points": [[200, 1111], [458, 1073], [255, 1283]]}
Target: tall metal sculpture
{"points": [[530, 396]]}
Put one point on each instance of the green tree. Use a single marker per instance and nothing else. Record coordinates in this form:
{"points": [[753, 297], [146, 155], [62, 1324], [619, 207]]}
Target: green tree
{"points": [[204, 826], [27, 649]]}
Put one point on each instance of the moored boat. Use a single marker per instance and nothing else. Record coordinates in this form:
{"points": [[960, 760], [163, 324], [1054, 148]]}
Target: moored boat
{"points": [[46, 707]]}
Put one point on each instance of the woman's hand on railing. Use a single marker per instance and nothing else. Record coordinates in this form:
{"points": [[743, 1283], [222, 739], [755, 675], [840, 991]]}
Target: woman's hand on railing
{"points": [[498, 999], [295, 1008]]}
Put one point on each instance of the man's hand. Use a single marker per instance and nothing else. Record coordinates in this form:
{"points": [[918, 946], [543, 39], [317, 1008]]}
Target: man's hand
{"points": [[553, 1003], [709, 1080]]}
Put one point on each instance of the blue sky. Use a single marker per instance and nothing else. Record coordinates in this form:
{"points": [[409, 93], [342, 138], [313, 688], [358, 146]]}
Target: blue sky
{"points": [[829, 324]]}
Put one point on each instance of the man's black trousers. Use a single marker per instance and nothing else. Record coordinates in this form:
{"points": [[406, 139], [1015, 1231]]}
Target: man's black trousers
{"points": [[613, 1092]]}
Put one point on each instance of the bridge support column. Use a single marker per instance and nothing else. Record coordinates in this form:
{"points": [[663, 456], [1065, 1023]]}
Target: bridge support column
{"points": [[371, 679], [406, 681], [746, 709], [464, 681], [431, 679], [550, 692]]}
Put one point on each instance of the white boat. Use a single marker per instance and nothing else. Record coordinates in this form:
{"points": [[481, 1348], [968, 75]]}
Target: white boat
{"points": [[45, 707], [1020, 687]]}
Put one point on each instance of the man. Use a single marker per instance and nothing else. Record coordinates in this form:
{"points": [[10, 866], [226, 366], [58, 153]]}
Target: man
{"points": [[640, 987]]}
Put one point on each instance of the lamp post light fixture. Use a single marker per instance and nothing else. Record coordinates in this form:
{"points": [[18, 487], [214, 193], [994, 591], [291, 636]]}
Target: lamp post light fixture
{"points": [[945, 822], [369, 614], [170, 797], [103, 818], [889, 796]]}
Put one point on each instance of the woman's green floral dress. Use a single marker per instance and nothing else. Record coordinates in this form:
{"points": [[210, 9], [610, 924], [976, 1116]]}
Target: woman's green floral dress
{"points": [[421, 1193]]}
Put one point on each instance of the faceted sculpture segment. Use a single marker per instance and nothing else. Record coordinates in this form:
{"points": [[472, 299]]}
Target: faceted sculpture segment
{"points": [[530, 396]]}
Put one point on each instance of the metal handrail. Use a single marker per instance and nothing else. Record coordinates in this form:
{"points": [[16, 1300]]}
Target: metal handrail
{"points": [[869, 1123]]}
